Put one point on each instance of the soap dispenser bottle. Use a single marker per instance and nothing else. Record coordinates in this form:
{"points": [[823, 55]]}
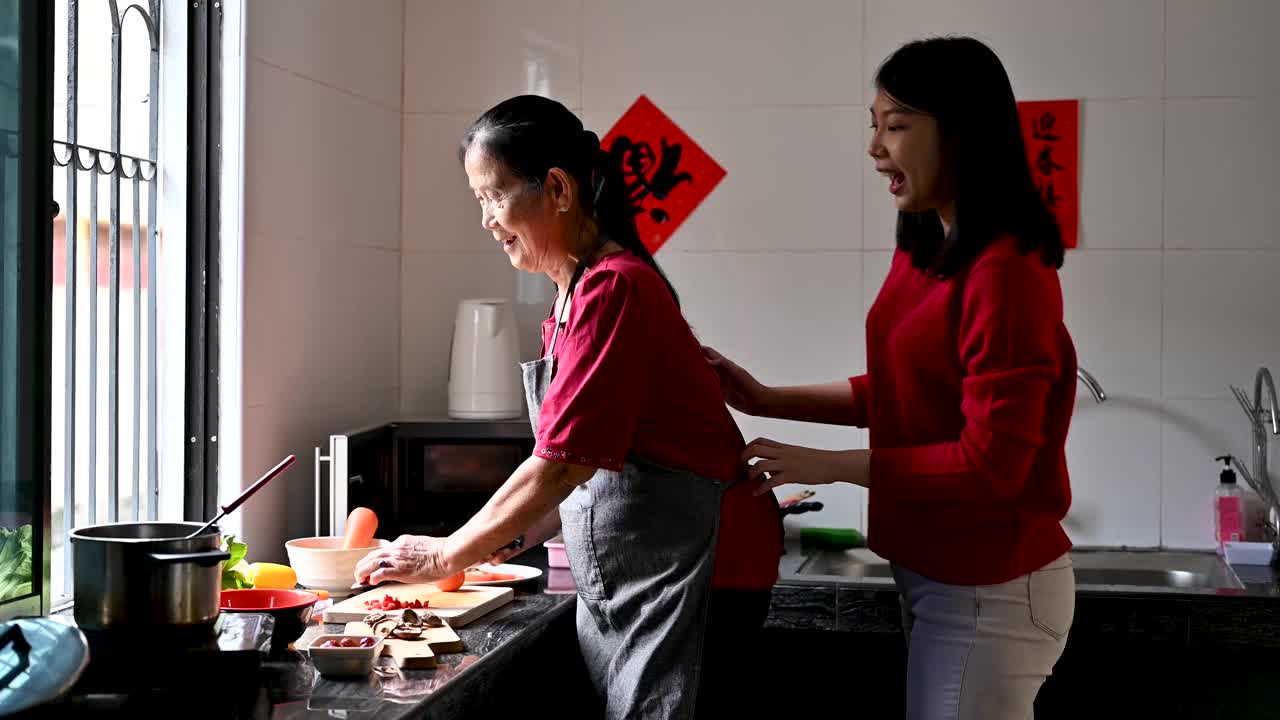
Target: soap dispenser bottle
{"points": [[1228, 507]]}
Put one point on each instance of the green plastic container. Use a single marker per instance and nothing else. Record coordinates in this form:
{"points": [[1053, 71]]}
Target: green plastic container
{"points": [[831, 538]]}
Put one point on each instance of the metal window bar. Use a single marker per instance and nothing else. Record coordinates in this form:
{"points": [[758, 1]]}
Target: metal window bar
{"points": [[114, 166], [70, 237]]}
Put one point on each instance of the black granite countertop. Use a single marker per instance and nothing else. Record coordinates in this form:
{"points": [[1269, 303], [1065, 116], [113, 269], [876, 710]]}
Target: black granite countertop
{"points": [[252, 686], [294, 689], [1248, 615], [509, 646]]}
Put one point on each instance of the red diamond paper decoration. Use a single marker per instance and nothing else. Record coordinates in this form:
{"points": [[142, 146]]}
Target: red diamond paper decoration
{"points": [[1050, 129], [667, 174]]}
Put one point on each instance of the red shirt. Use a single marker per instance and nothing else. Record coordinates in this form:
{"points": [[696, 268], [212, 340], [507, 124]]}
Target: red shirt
{"points": [[630, 378], [968, 395]]}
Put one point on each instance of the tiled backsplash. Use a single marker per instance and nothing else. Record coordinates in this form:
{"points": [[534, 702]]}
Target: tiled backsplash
{"points": [[1169, 297], [320, 247]]}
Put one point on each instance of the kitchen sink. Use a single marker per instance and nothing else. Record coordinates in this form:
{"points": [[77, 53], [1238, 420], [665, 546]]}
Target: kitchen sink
{"points": [[1169, 570], [1164, 571], [846, 564]]}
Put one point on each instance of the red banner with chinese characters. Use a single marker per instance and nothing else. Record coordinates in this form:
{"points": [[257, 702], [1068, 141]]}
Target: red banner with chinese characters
{"points": [[667, 174], [1051, 131]]}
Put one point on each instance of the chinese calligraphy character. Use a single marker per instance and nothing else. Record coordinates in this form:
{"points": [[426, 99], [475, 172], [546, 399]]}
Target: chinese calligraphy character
{"points": [[1042, 127], [1045, 163], [1051, 198], [1050, 133], [649, 174]]}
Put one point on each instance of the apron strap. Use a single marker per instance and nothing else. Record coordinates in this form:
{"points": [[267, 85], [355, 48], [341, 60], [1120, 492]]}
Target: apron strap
{"points": [[600, 242]]}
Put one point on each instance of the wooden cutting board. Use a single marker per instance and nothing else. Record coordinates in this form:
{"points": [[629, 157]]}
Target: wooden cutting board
{"points": [[457, 608], [413, 654], [440, 640]]}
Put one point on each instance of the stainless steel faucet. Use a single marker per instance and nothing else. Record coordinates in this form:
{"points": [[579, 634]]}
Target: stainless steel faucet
{"points": [[1260, 416], [1099, 395]]}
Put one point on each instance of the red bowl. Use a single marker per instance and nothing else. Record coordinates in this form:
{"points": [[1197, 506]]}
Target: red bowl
{"points": [[290, 608], [265, 600]]}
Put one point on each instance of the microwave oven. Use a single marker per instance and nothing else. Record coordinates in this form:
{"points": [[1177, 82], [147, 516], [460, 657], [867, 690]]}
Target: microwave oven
{"points": [[421, 478]]}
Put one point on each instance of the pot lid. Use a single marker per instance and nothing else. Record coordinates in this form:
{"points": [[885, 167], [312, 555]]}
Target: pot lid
{"points": [[40, 659]]}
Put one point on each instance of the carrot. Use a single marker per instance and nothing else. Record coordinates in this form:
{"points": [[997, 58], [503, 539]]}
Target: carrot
{"points": [[451, 583], [362, 523]]}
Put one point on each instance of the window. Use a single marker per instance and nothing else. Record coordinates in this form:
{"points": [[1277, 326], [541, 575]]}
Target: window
{"points": [[25, 208], [122, 242]]}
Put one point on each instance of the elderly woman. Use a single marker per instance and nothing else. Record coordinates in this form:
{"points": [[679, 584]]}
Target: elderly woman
{"points": [[637, 459]]}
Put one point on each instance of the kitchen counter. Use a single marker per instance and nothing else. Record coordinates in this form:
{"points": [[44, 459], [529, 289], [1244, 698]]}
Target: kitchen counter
{"points": [[513, 645], [860, 596], [1170, 652], [294, 689], [517, 650]]}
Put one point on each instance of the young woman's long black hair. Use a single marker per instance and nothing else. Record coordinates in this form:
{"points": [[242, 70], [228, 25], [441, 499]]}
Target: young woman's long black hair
{"points": [[530, 134], [960, 82]]}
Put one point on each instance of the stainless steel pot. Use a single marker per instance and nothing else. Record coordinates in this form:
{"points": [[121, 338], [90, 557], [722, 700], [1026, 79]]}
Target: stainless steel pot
{"points": [[146, 575]]}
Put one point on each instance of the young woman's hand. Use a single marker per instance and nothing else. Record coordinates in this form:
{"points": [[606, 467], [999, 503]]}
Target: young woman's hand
{"points": [[781, 464], [742, 392]]}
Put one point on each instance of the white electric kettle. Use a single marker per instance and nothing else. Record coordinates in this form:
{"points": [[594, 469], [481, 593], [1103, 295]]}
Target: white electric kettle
{"points": [[484, 362]]}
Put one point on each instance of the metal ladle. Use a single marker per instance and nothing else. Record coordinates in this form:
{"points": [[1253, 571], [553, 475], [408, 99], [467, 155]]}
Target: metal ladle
{"points": [[281, 467]]}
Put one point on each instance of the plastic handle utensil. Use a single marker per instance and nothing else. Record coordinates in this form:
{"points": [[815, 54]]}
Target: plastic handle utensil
{"points": [[284, 464]]}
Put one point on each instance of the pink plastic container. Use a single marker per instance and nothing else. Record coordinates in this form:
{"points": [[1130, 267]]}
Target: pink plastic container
{"points": [[556, 556]]}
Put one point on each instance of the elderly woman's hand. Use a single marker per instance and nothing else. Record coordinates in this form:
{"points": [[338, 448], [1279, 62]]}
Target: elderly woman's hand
{"points": [[411, 558]]}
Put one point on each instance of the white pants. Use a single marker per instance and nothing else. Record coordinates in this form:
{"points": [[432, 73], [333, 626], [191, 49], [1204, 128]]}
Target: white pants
{"points": [[982, 652]]}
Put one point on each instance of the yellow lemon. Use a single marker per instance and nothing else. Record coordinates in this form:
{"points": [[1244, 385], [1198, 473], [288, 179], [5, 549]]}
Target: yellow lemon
{"points": [[272, 575]]}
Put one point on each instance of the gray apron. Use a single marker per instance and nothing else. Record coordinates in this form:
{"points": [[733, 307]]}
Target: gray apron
{"points": [[641, 546]]}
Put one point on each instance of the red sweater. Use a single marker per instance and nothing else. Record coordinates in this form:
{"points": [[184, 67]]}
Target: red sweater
{"points": [[968, 395]]}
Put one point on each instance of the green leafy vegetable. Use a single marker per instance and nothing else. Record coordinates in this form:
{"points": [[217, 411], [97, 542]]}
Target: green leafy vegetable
{"points": [[15, 562], [232, 577]]}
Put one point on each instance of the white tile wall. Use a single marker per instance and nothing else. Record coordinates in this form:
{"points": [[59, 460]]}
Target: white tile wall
{"points": [[468, 56], [1222, 48], [1221, 185], [1089, 49], [793, 318], [1219, 320], [363, 311], [321, 243], [1167, 299], [311, 150], [433, 284], [721, 53], [1113, 311], [275, 297], [440, 213], [354, 47], [1113, 457], [1120, 206], [790, 193]]}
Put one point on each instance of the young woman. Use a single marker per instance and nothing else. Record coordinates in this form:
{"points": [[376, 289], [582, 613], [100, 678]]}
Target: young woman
{"points": [[670, 550], [968, 393]]}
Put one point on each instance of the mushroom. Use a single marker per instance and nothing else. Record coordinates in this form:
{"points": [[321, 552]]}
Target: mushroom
{"points": [[407, 632]]}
